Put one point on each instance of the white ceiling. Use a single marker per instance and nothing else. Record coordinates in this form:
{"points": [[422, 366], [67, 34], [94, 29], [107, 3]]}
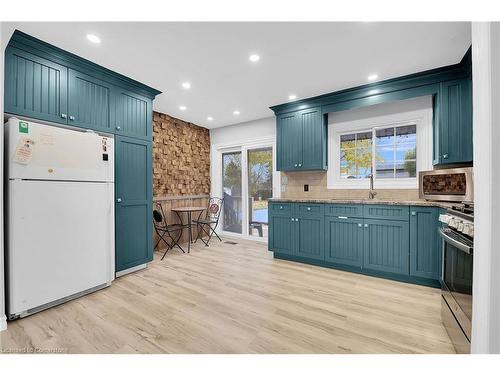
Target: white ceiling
{"points": [[306, 59]]}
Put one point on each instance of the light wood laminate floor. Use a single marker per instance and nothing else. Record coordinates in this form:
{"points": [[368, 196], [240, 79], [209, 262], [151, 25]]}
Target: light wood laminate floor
{"points": [[238, 299]]}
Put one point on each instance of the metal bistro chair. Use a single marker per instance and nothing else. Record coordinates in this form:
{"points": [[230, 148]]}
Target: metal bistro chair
{"points": [[164, 230], [211, 220]]}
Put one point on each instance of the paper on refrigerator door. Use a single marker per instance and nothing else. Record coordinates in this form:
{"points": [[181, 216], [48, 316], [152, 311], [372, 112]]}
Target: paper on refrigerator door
{"points": [[24, 150]]}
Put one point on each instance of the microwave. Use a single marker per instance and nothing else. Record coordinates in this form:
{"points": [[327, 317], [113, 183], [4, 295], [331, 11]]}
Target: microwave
{"points": [[451, 185]]}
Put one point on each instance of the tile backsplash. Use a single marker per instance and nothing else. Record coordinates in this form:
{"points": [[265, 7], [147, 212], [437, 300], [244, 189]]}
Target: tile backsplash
{"points": [[317, 182]]}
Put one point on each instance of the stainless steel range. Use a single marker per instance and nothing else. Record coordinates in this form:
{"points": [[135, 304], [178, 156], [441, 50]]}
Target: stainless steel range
{"points": [[457, 233]]}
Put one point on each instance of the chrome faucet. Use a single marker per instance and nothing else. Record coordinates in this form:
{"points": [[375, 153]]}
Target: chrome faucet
{"points": [[372, 192]]}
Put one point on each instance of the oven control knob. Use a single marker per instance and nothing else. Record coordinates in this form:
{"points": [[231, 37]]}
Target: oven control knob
{"points": [[443, 218], [460, 226], [468, 230]]}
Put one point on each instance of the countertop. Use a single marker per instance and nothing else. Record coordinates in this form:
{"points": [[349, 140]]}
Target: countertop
{"points": [[423, 203]]}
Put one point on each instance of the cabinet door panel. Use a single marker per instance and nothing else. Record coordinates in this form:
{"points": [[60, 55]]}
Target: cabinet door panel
{"points": [[289, 142], [88, 102], [386, 246], [133, 186], [281, 234], [344, 241], [425, 250], [313, 139], [35, 87], [133, 115], [455, 125], [310, 237]]}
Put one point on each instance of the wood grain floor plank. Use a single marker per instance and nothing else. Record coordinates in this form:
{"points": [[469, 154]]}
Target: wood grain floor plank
{"points": [[238, 299]]}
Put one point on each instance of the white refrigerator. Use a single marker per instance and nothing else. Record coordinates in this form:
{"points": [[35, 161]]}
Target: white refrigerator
{"points": [[60, 215]]}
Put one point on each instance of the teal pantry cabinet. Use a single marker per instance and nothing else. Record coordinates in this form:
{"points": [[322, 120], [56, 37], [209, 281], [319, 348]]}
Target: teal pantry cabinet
{"points": [[301, 140], [44, 82], [392, 241]]}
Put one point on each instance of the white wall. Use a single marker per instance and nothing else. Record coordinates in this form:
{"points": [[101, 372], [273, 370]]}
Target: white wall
{"points": [[486, 282], [3, 323], [244, 132]]}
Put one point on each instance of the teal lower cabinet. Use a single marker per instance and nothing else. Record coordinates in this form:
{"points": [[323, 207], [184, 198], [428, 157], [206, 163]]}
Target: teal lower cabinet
{"points": [[425, 243], [344, 240], [309, 230], [281, 234], [133, 207], [386, 246], [394, 242]]}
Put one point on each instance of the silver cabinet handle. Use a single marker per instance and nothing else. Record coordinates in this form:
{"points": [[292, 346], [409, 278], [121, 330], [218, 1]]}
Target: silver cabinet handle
{"points": [[445, 156], [308, 208], [345, 217], [366, 225], [118, 128], [281, 207], [119, 200], [300, 164], [295, 165], [64, 115], [413, 213], [293, 219], [72, 118], [360, 225]]}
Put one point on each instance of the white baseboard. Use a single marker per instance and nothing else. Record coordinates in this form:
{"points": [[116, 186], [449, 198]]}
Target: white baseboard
{"points": [[3, 323], [130, 270]]}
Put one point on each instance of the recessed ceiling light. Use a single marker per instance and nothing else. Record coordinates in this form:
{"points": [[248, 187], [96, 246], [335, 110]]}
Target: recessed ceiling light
{"points": [[93, 38], [236, 113], [372, 77], [186, 85], [182, 107], [292, 96], [210, 118], [254, 58]]}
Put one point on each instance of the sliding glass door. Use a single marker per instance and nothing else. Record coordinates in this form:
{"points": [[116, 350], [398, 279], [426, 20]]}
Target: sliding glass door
{"points": [[232, 192], [260, 189], [247, 180]]}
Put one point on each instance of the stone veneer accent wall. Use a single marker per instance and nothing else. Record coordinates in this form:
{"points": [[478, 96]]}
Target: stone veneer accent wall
{"points": [[181, 157]]}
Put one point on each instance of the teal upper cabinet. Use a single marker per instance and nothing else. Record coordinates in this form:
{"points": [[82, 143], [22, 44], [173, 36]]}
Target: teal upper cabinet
{"points": [[133, 114], [386, 246], [314, 139], [425, 249], [449, 86], [89, 102], [301, 140], [289, 150], [453, 130], [47, 83], [35, 87]]}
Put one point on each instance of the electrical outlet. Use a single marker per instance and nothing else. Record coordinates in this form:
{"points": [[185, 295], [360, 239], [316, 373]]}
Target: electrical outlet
{"points": [[306, 187]]}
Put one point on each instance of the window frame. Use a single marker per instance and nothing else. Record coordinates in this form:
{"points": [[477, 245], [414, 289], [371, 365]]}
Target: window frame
{"points": [[422, 118]]}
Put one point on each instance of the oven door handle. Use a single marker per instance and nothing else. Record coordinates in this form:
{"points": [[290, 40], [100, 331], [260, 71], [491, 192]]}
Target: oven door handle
{"points": [[459, 245]]}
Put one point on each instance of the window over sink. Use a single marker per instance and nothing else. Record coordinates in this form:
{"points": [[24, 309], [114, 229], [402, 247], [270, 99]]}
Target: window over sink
{"points": [[391, 141]]}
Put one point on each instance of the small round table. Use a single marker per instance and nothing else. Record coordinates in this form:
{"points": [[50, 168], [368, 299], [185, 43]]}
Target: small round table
{"points": [[189, 211]]}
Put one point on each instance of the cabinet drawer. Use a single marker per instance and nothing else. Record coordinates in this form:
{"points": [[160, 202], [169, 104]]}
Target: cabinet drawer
{"points": [[277, 208], [384, 211], [348, 210], [309, 209]]}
